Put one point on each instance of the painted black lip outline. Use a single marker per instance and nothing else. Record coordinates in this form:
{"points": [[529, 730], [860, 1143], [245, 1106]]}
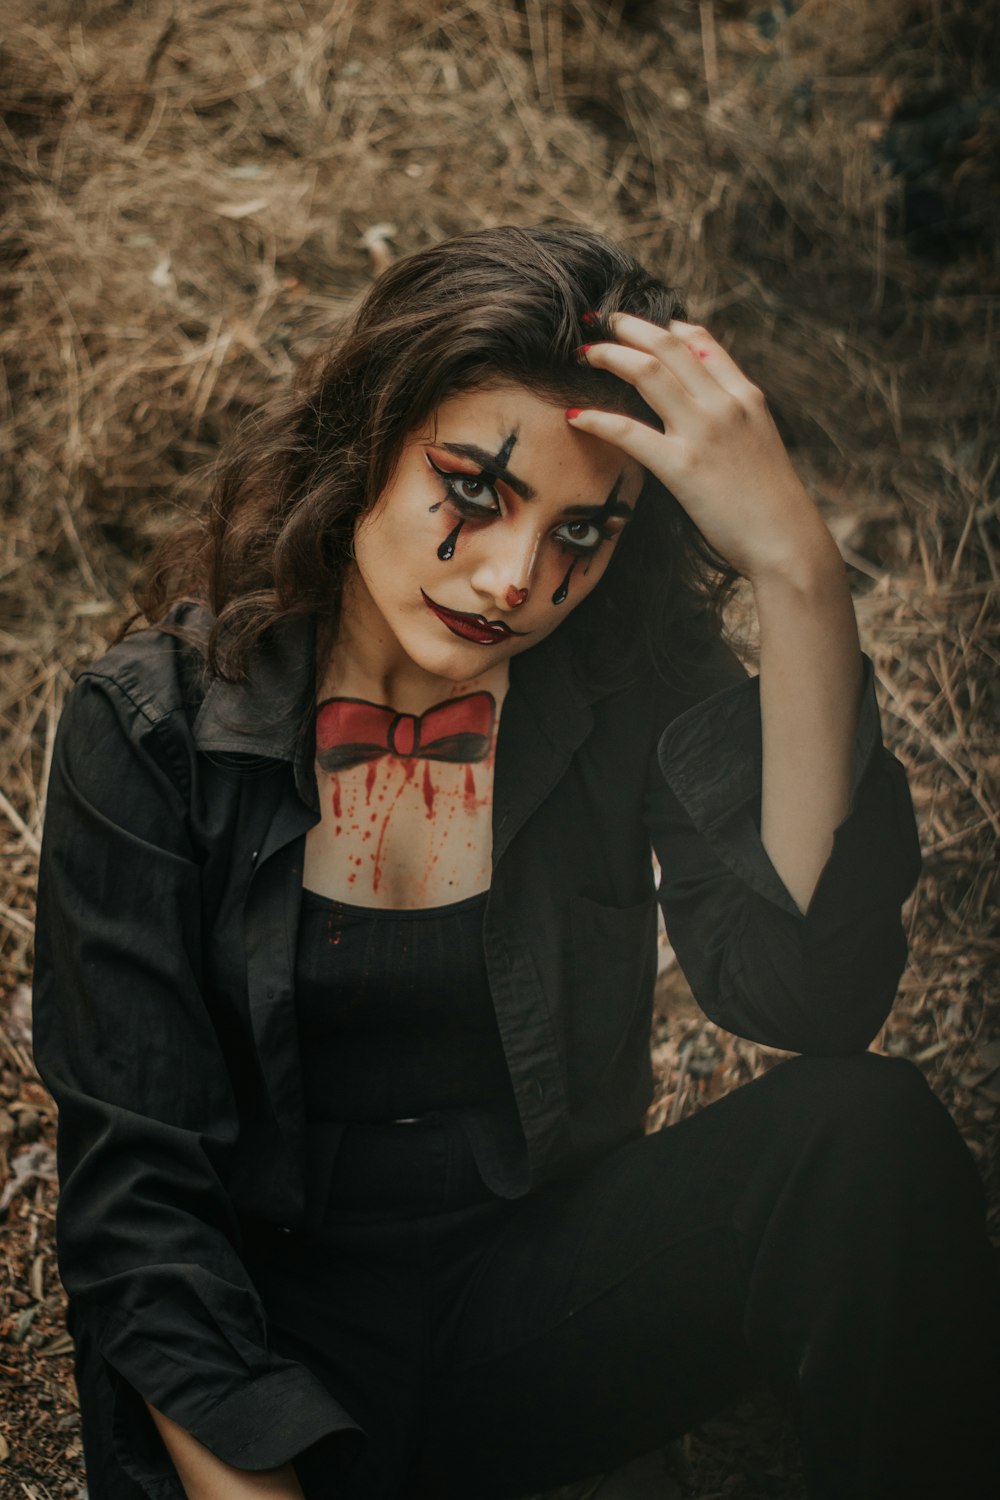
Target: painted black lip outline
{"points": [[488, 631]]}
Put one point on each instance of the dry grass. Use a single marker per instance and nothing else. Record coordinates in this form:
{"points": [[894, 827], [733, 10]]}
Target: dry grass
{"points": [[195, 191]]}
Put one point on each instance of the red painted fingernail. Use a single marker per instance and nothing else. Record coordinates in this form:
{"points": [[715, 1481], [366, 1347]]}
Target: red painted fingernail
{"points": [[581, 349], [590, 317], [572, 412]]}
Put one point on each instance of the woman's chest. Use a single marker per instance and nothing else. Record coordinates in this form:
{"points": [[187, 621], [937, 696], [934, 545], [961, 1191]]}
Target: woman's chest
{"points": [[398, 832]]}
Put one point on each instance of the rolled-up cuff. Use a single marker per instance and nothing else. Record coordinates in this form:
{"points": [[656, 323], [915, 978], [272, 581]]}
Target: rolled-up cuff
{"points": [[875, 860], [711, 758], [272, 1419], [268, 1421]]}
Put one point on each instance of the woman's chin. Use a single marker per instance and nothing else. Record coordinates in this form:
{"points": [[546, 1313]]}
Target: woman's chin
{"points": [[464, 660], [456, 661]]}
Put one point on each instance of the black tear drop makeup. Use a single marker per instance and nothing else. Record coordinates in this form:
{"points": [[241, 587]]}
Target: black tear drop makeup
{"points": [[560, 595], [446, 551]]}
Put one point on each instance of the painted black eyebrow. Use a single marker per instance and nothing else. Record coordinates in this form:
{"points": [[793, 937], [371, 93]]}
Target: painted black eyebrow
{"points": [[601, 512], [493, 464], [611, 507]]}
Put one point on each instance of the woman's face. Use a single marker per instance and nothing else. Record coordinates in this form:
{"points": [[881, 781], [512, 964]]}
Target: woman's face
{"points": [[499, 520]]}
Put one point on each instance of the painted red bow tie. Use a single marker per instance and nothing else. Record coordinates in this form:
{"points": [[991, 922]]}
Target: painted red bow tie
{"points": [[351, 730]]}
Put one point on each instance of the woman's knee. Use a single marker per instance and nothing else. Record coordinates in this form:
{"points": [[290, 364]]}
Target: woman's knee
{"points": [[867, 1134], [863, 1096]]}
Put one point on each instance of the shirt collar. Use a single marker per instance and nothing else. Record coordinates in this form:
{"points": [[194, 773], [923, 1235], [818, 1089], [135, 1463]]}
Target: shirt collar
{"points": [[268, 714]]}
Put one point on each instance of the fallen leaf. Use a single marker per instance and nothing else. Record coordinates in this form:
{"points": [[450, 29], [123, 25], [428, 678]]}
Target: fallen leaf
{"points": [[35, 1161], [376, 241], [61, 1344], [19, 1016], [161, 275], [23, 1322], [241, 210]]}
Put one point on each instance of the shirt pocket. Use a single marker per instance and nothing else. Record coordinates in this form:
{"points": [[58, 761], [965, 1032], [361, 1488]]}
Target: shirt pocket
{"points": [[612, 971]]}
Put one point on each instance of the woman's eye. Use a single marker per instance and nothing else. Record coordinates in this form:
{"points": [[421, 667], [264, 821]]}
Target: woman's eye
{"points": [[472, 495], [582, 536], [473, 492]]}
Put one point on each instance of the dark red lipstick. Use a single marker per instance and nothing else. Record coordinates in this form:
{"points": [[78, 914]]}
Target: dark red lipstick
{"points": [[471, 627]]}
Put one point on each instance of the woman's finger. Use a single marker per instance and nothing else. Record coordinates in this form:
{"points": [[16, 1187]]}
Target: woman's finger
{"points": [[637, 439], [656, 382], [696, 358], [668, 349], [716, 360]]}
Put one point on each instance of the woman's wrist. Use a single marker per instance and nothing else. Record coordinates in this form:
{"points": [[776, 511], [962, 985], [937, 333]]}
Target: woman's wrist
{"points": [[806, 562]]}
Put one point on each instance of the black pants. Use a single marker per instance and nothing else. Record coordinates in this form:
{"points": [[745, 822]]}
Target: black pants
{"points": [[820, 1228]]}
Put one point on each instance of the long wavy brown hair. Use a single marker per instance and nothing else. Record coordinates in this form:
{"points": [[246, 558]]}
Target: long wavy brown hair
{"points": [[497, 305]]}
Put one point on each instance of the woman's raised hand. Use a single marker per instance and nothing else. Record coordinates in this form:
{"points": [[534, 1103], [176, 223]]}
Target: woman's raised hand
{"points": [[720, 452]]}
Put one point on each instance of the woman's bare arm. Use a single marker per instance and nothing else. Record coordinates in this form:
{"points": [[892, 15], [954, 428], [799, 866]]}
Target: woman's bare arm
{"points": [[205, 1477], [810, 687]]}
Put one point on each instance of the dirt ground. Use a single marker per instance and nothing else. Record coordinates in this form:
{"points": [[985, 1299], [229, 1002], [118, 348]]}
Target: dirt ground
{"points": [[195, 190]]}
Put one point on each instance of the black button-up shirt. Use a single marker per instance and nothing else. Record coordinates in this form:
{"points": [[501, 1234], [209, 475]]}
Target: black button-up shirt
{"points": [[164, 1016]]}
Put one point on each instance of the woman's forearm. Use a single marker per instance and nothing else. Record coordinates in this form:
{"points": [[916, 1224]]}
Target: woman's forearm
{"points": [[810, 684], [205, 1477], [721, 456]]}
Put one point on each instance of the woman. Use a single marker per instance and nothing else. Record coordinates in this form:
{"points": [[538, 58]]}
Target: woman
{"points": [[347, 939]]}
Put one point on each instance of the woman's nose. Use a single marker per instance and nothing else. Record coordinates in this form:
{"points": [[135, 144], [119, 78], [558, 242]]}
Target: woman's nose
{"points": [[506, 566]]}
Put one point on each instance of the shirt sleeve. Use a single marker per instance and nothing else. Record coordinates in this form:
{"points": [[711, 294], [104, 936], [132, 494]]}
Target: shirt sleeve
{"points": [[125, 1042], [821, 982]]}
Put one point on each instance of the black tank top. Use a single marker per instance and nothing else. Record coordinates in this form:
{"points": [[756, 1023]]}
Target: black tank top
{"points": [[396, 1021]]}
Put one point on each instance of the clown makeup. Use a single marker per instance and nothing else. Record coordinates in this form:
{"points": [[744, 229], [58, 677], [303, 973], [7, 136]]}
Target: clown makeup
{"points": [[475, 494], [499, 520]]}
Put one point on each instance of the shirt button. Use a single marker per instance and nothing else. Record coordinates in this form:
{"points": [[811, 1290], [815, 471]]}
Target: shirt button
{"points": [[537, 1089]]}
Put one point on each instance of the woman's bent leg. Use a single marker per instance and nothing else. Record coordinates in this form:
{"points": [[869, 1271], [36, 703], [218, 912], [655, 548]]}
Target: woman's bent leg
{"points": [[822, 1227]]}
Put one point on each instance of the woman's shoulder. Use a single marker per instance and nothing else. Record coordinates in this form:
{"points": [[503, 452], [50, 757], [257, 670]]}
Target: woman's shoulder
{"points": [[153, 694], [132, 711], [126, 730], [159, 670]]}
